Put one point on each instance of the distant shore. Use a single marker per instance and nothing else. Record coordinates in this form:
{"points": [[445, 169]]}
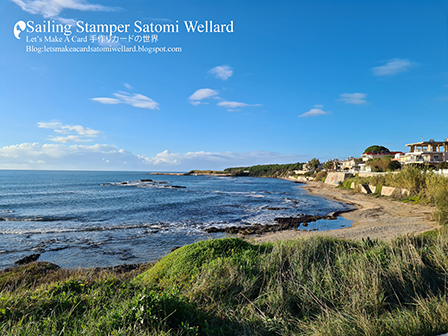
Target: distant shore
{"points": [[375, 217]]}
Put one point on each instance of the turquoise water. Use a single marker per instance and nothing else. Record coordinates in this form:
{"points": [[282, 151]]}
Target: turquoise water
{"points": [[88, 219]]}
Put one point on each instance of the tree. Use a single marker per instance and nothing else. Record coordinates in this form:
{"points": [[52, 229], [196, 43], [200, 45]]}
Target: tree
{"points": [[313, 164], [328, 165], [376, 148], [394, 165], [383, 164]]}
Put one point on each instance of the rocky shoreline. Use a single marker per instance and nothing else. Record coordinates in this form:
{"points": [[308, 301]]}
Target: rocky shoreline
{"points": [[283, 223], [374, 217]]}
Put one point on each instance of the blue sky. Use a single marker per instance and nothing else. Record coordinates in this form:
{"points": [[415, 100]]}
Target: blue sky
{"points": [[294, 80]]}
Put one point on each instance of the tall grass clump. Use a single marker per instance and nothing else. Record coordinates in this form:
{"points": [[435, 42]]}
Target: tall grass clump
{"points": [[309, 286], [323, 286], [441, 202], [90, 302]]}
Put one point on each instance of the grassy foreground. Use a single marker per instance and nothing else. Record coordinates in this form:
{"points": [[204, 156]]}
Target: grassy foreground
{"points": [[311, 286]]}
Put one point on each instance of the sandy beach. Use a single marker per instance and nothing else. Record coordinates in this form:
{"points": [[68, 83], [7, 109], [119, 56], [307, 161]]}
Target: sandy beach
{"points": [[374, 217]]}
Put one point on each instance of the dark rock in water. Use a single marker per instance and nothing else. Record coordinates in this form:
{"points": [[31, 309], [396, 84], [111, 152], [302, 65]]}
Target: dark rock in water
{"points": [[174, 248], [175, 186], [295, 220], [28, 259], [58, 248], [283, 223], [146, 180], [123, 183], [127, 256]]}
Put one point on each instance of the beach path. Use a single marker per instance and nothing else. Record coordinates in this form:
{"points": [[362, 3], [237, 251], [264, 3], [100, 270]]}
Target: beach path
{"points": [[375, 217]]}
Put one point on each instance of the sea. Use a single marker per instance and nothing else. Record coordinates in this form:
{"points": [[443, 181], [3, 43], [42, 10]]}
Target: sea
{"points": [[80, 219]]}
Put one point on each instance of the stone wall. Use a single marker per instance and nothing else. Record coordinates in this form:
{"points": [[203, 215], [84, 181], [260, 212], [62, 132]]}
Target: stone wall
{"points": [[385, 191], [390, 191], [336, 177]]}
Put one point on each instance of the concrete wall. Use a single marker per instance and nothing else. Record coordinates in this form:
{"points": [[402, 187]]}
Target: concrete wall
{"points": [[336, 177], [299, 178], [367, 174], [385, 191], [443, 172], [389, 191]]}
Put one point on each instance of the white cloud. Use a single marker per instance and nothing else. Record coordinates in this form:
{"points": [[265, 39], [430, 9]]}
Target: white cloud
{"points": [[68, 138], [216, 160], [64, 21], [85, 131], [107, 157], [59, 156], [393, 67], [82, 134], [105, 100], [231, 105], [223, 72], [135, 99], [201, 94], [353, 98], [127, 86], [314, 112], [51, 125], [52, 8], [159, 20]]}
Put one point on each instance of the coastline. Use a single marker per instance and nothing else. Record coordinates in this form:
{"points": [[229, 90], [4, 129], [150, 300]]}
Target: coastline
{"points": [[374, 217]]}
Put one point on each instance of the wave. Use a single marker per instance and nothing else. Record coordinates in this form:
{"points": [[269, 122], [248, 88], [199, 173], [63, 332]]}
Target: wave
{"points": [[143, 184], [242, 193], [148, 226], [36, 219], [41, 193]]}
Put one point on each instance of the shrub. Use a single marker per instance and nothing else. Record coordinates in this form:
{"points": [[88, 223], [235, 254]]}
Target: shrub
{"points": [[187, 262], [320, 175], [441, 213], [443, 165]]}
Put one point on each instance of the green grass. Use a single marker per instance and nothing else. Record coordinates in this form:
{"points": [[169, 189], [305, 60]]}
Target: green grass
{"points": [[311, 286]]}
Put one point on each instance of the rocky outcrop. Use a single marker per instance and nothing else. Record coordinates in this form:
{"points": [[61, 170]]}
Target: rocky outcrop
{"points": [[27, 259], [283, 223]]}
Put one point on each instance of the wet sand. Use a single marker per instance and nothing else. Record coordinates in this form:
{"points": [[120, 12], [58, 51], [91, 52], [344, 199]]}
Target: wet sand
{"points": [[375, 217]]}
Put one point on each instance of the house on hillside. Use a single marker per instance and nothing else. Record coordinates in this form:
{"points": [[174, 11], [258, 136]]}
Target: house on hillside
{"points": [[373, 155], [350, 164], [426, 152]]}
